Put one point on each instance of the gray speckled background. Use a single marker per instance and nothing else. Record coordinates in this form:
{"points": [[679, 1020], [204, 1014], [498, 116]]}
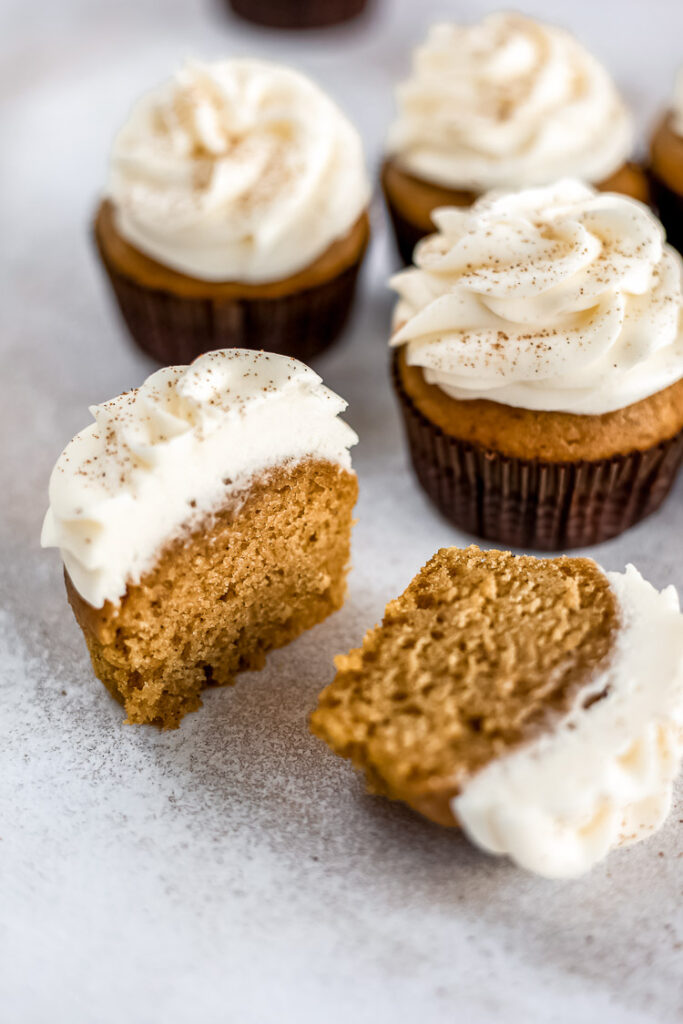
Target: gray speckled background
{"points": [[234, 871]]}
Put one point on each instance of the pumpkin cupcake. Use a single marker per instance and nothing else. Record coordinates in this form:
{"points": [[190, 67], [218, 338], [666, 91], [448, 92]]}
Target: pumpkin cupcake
{"points": [[538, 360], [536, 703], [235, 213], [506, 103], [203, 519], [666, 166]]}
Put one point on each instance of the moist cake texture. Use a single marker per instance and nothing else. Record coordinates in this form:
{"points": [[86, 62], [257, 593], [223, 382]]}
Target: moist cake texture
{"points": [[203, 519], [514, 696], [264, 569]]}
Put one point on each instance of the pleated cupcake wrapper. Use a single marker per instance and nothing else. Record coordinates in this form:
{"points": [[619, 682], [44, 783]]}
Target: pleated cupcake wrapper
{"points": [[670, 206], [406, 233], [297, 13], [176, 329], [530, 503]]}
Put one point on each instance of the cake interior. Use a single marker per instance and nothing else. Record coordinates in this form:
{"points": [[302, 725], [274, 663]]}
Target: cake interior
{"points": [[482, 652], [260, 571]]}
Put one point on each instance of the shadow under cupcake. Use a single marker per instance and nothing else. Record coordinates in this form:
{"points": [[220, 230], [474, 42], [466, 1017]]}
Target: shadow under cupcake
{"points": [[538, 362]]}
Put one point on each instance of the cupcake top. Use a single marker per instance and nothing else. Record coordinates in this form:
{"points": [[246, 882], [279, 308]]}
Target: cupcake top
{"points": [[159, 459], [536, 702], [238, 170], [507, 103], [677, 105], [558, 298]]}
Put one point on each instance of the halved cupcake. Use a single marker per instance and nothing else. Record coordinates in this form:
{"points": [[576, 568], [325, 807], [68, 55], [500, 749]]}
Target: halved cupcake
{"points": [[235, 213], [506, 103], [203, 519], [539, 365], [666, 166], [537, 703]]}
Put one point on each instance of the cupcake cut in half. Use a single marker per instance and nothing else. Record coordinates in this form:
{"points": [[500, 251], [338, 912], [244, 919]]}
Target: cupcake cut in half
{"points": [[539, 365], [203, 519], [506, 103], [666, 166], [537, 703], [235, 213]]}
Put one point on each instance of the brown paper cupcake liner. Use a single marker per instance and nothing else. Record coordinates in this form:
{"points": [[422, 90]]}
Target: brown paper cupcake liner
{"points": [[670, 207], [406, 233], [176, 329], [528, 503], [297, 13]]}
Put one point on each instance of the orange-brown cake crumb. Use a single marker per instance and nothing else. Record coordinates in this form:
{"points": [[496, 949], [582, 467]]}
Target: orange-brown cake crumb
{"points": [[265, 568], [477, 654]]}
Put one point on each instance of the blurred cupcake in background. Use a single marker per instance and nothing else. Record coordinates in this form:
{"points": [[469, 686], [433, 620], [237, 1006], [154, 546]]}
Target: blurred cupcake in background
{"points": [[235, 215], [539, 365], [298, 13], [666, 155], [505, 103]]}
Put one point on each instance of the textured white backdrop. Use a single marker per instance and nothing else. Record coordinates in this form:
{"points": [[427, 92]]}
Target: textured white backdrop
{"points": [[234, 871]]}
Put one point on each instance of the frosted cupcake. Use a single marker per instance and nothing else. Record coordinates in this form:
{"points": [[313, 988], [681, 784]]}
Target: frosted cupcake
{"points": [[203, 519], [537, 703], [506, 103], [666, 155], [235, 213], [539, 365]]}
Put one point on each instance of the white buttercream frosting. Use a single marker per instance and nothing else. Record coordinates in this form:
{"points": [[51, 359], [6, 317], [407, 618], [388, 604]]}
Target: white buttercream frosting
{"points": [[603, 776], [677, 105], [238, 170], [507, 103], [160, 458], [556, 298]]}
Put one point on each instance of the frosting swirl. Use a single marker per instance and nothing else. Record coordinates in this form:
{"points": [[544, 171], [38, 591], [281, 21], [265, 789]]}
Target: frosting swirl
{"points": [[558, 298], [508, 103], [159, 459], [239, 170]]}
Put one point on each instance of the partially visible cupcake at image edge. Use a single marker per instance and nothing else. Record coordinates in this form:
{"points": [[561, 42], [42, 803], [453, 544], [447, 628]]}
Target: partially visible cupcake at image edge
{"points": [[538, 361], [666, 166], [298, 13], [508, 103], [235, 214]]}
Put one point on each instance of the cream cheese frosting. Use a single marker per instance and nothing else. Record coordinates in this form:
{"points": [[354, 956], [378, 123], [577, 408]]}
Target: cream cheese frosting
{"points": [[603, 777], [558, 298], [677, 105], [237, 170], [506, 103], [159, 459]]}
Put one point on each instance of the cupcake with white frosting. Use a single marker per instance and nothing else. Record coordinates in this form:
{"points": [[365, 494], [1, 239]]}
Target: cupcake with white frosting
{"points": [[506, 103], [536, 703], [235, 213], [666, 166], [539, 364], [203, 519]]}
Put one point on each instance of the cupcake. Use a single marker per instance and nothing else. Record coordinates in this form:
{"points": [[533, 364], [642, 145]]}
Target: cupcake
{"points": [[538, 362], [536, 703], [203, 519], [507, 103], [666, 167], [235, 214], [298, 13]]}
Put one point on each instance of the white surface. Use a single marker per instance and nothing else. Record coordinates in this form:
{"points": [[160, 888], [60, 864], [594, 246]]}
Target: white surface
{"points": [[234, 871]]}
